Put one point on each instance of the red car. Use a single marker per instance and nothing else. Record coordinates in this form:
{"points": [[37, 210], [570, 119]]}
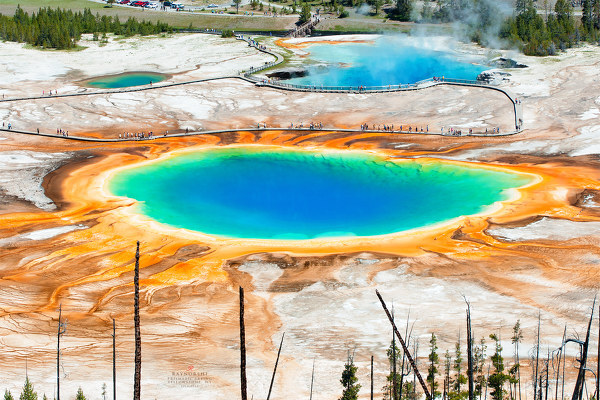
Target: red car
{"points": [[124, 2]]}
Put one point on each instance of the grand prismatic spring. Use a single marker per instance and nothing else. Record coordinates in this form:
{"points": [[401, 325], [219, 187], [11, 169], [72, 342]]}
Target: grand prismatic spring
{"points": [[310, 213], [266, 194]]}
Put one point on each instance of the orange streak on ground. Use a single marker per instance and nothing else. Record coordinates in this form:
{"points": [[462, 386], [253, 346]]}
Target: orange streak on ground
{"points": [[116, 225], [301, 45], [277, 137]]}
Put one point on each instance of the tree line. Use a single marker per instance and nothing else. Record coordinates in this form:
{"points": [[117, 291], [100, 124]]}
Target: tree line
{"points": [[448, 379], [61, 29], [559, 30], [28, 392], [484, 21]]}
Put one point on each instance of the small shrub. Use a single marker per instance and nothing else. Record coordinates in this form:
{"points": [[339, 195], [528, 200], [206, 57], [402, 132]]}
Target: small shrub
{"points": [[80, 395], [227, 33]]}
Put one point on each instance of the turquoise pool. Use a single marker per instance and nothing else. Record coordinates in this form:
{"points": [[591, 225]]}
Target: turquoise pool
{"points": [[126, 80], [279, 194], [388, 60]]}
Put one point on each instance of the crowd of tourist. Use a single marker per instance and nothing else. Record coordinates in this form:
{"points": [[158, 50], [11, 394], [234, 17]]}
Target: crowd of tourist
{"points": [[309, 126], [137, 135], [254, 43], [390, 128], [454, 132]]}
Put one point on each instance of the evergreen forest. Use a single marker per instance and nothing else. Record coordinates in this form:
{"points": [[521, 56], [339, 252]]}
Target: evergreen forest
{"points": [[61, 29]]}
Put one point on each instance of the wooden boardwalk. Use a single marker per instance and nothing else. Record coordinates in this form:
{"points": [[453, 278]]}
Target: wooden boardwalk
{"points": [[216, 132], [306, 28]]}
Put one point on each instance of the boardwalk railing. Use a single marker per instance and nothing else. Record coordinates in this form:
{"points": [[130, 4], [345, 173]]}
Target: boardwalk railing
{"points": [[426, 83], [353, 89], [247, 75]]}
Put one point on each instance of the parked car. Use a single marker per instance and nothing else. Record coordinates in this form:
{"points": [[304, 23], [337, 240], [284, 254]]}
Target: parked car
{"points": [[167, 3], [124, 2], [177, 6], [212, 6], [152, 6]]}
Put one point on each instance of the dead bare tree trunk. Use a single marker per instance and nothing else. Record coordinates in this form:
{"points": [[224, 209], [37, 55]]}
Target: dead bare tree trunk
{"points": [[536, 371], [371, 377], [394, 388], [243, 348], [598, 360], [560, 355], [407, 336], [470, 352], [275, 369], [62, 328], [114, 336], [578, 391], [410, 359], [137, 376], [58, 354], [563, 371], [547, 374], [416, 350], [312, 379]]}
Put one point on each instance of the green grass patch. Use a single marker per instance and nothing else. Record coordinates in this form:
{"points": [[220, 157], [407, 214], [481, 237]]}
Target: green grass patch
{"points": [[178, 20], [71, 50]]}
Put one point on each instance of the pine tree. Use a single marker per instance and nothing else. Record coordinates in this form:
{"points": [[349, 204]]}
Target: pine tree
{"points": [[515, 370], [388, 388], [80, 395], [521, 6], [479, 357], [447, 367], [237, 5], [404, 9], [434, 360], [304, 13], [497, 379], [408, 391], [596, 13], [8, 395], [377, 4], [586, 16], [564, 15], [28, 393], [456, 393], [349, 380]]}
